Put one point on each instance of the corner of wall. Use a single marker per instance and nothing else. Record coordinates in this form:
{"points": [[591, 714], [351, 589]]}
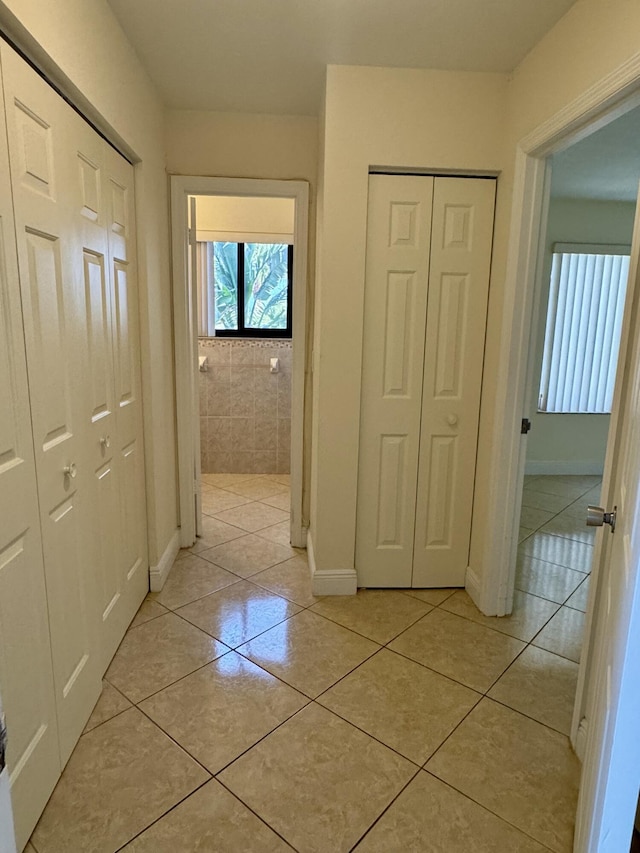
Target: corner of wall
{"points": [[158, 574], [330, 581]]}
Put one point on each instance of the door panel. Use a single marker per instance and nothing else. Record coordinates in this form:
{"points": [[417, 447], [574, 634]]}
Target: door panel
{"points": [[398, 236], [44, 166], [26, 676], [456, 320]]}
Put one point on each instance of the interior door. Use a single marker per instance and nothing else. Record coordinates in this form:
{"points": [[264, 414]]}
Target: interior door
{"points": [[26, 675], [43, 162], [611, 770], [459, 268], [397, 270]]}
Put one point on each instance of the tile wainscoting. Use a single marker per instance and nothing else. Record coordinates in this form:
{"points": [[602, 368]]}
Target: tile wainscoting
{"points": [[245, 411]]}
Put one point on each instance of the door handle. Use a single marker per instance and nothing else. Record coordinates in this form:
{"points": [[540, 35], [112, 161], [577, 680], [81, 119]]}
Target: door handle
{"points": [[105, 441], [70, 470], [452, 419], [596, 517]]}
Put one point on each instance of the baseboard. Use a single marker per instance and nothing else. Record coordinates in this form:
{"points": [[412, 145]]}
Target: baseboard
{"points": [[580, 744], [330, 581], [472, 586], [299, 537], [159, 573], [556, 466]]}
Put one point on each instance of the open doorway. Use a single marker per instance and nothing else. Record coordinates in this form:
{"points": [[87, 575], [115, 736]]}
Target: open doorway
{"points": [[575, 345], [258, 227]]}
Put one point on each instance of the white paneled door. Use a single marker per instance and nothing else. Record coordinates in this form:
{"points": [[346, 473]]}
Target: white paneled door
{"points": [[428, 263], [26, 672]]}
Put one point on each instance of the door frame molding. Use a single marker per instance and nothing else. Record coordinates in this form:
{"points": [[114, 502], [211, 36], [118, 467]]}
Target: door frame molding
{"points": [[185, 333], [611, 97]]}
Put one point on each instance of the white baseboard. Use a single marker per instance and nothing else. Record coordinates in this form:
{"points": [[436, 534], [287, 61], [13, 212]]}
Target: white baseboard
{"points": [[556, 466], [330, 581], [299, 537], [158, 573], [472, 586], [580, 744]]}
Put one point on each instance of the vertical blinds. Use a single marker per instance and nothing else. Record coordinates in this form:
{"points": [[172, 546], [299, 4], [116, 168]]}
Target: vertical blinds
{"points": [[584, 320]]}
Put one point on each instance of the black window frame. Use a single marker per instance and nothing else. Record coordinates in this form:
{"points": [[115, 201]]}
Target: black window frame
{"points": [[247, 331]]}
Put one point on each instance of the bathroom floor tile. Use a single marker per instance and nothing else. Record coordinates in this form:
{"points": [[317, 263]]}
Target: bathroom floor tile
{"points": [[247, 555], [253, 516], [158, 653], [211, 819], [558, 550], [564, 485], [281, 535], [377, 614], [115, 785], [309, 652], [519, 769], [280, 501], [563, 634], [258, 489], [401, 703], [216, 501], [570, 528], [534, 518], [192, 577], [222, 709], [291, 579], [547, 503], [529, 614], [540, 685], [109, 705], [458, 648], [524, 533], [452, 823], [580, 598], [238, 613], [287, 777], [546, 580]]}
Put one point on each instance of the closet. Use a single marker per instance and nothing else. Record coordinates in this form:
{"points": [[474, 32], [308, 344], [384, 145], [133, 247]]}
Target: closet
{"points": [[73, 562], [426, 290]]}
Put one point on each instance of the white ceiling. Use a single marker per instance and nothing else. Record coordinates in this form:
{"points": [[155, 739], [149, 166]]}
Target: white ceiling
{"points": [[269, 56], [605, 166]]}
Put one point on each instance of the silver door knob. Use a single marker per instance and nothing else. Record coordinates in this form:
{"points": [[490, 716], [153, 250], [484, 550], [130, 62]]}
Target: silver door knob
{"points": [[596, 517], [105, 441], [452, 419], [70, 470]]}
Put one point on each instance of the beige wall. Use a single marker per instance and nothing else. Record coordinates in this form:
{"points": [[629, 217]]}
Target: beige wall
{"points": [[572, 443], [239, 145], [392, 118], [81, 45]]}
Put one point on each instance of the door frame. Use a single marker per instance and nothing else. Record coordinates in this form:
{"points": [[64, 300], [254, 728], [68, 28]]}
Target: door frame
{"points": [[610, 98], [185, 334]]}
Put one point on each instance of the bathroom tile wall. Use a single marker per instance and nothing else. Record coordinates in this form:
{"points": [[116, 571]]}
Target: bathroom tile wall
{"points": [[245, 411]]}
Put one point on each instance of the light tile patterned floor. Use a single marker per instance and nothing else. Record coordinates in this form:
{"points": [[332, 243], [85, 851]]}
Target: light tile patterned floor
{"points": [[241, 713]]}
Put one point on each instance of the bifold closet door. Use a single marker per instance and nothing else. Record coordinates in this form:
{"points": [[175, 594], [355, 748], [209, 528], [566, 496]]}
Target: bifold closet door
{"points": [[43, 162], [26, 675], [397, 270], [427, 278]]}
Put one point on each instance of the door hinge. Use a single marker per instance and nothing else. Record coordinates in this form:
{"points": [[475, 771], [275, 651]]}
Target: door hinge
{"points": [[525, 426]]}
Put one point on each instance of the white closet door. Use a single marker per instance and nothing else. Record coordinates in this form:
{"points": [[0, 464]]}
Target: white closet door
{"points": [[44, 163], [127, 444], [398, 236], [26, 676], [456, 322]]}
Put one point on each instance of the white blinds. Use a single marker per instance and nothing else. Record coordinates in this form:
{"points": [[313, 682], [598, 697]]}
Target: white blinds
{"points": [[584, 320]]}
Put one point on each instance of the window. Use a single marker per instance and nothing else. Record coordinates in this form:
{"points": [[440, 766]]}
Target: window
{"points": [[249, 289], [584, 320]]}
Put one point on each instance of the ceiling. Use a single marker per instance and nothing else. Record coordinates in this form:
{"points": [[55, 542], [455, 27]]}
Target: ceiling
{"points": [[269, 56], [605, 166]]}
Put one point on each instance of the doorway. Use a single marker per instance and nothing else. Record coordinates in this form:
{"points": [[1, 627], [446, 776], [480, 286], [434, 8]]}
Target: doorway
{"points": [[185, 261]]}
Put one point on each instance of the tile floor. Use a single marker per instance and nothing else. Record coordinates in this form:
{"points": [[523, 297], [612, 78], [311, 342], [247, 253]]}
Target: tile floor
{"points": [[241, 713]]}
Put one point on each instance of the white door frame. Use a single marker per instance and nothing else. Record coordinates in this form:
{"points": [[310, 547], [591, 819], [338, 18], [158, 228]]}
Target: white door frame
{"points": [[610, 98], [185, 333]]}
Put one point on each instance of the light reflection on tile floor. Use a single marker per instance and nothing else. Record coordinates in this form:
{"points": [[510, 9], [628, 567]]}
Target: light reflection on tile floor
{"points": [[294, 722]]}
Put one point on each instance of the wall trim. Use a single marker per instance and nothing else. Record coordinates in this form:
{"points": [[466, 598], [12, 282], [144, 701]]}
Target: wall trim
{"points": [[473, 586], [159, 573], [330, 581], [563, 466], [580, 741]]}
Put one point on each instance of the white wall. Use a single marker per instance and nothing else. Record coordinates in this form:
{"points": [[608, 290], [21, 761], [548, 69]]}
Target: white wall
{"points": [[573, 444], [393, 118], [82, 47]]}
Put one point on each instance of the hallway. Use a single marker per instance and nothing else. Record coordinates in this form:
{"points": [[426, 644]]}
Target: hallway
{"points": [[240, 713]]}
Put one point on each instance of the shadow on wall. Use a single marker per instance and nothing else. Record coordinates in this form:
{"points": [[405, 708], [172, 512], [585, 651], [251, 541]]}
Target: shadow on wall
{"points": [[245, 410]]}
